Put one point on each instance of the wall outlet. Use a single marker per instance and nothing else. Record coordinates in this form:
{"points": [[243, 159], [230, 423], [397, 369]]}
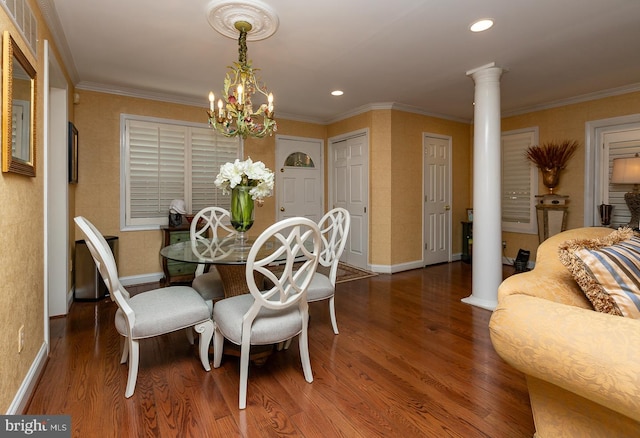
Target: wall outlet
{"points": [[504, 244], [21, 339]]}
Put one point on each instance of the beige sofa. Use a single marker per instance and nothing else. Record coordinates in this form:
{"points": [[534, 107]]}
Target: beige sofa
{"points": [[582, 367]]}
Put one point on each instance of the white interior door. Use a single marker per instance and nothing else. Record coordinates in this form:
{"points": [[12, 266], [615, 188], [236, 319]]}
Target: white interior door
{"points": [[437, 199], [349, 188], [299, 178]]}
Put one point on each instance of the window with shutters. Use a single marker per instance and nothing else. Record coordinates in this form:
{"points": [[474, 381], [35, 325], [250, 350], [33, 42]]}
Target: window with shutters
{"points": [[619, 144], [163, 160], [519, 182]]}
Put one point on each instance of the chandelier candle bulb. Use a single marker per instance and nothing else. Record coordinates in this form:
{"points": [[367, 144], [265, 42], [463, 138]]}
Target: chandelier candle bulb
{"points": [[211, 99]]}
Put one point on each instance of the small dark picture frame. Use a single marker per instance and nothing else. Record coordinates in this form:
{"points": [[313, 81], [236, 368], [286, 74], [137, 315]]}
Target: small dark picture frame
{"points": [[73, 154], [469, 214]]}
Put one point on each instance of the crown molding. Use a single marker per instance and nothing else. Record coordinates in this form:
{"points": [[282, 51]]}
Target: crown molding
{"points": [[632, 88], [392, 106]]}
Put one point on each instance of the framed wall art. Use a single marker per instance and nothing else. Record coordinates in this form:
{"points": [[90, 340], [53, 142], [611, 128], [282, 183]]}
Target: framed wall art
{"points": [[73, 154]]}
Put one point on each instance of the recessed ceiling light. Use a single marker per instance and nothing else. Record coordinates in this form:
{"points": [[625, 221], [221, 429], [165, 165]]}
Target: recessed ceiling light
{"points": [[481, 25], [337, 93]]}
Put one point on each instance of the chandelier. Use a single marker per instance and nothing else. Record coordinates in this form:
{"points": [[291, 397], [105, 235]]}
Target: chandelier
{"points": [[237, 113]]}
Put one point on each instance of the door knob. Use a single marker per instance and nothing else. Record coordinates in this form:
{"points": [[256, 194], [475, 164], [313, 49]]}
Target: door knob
{"points": [[447, 207], [281, 208]]}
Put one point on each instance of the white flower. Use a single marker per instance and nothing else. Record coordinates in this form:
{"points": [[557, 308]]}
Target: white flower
{"points": [[247, 173]]}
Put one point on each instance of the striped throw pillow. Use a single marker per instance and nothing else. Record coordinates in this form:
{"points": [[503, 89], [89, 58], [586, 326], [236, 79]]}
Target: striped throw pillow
{"points": [[607, 270]]}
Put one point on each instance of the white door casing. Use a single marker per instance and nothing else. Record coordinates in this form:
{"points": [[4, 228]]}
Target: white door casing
{"points": [[437, 199], [596, 174], [349, 189], [299, 183]]}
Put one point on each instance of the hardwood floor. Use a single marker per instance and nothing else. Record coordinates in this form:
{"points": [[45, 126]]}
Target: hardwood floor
{"points": [[411, 360]]}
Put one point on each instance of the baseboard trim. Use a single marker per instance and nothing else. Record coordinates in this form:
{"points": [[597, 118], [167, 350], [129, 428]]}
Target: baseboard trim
{"points": [[392, 269], [19, 403], [141, 279]]}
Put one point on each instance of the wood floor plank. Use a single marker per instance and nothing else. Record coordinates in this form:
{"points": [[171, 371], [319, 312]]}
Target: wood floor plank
{"points": [[411, 360]]}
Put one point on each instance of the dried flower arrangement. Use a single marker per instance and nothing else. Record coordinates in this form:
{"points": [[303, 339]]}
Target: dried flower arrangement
{"points": [[551, 158], [552, 155]]}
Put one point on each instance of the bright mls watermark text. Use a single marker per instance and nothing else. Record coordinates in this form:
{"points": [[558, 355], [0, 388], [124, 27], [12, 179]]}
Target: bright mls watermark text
{"points": [[40, 426]]}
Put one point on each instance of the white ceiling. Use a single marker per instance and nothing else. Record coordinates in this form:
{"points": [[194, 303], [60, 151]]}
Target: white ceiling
{"points": [[409, 52]]}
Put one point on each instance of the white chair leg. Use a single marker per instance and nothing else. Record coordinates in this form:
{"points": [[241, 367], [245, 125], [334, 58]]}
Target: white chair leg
{"points": [[218, 345], [125, 351], [304, 356], [189, 333], [206, 332], [244, 372], [133, 367], [332, 312]]}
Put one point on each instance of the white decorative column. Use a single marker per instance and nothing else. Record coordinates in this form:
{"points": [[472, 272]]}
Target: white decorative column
{"points": [[487, 217]]}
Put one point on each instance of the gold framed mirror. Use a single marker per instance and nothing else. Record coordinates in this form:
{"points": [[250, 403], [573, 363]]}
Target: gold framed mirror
{"points": [[18, 109]]}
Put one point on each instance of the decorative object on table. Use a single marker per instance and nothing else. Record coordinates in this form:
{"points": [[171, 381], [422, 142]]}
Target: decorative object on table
{"points": [[469, 214], [247, 182], [235, 114], [176, 209], [551, 158], [627, 171], [605, 214]]}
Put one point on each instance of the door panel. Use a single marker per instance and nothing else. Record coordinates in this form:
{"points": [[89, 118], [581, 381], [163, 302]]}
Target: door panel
{"points": [[299, 183], [437, 200], [349, 188]]}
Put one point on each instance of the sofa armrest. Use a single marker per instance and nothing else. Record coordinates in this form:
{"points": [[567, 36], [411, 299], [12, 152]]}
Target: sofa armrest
{"points": [[592, 354]]}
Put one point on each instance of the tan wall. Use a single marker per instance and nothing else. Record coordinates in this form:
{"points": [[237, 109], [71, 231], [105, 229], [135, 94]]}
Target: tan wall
{"points": [[567, 122], [22, 249]]}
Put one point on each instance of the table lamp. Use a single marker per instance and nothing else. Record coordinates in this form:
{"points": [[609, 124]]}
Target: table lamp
{"points": [[627, 171]]}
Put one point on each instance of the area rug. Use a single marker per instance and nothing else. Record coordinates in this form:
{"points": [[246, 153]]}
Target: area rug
{"points": [[345, 272]]}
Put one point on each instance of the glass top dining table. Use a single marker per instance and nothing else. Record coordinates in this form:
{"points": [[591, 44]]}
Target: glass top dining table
{"points": [[228, 254], [225, 251]]}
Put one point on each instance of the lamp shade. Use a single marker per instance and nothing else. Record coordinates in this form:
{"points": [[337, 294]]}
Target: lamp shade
{"points": [[626, 171]]}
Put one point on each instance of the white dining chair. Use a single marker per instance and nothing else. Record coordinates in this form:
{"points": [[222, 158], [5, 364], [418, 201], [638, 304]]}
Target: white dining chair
{"points": [[210, 223], [334, 226], [147, 314], [279, 312]]}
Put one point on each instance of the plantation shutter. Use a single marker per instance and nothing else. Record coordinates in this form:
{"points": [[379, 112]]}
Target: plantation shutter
{"points": [[167, 161], [620, 146], [518, 183], [208, 152], [156, 168]]}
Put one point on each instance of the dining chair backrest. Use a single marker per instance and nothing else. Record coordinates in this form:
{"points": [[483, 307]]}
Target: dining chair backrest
{"points": [[106, 264], [298, 251], [334, 226], [211, 222]]}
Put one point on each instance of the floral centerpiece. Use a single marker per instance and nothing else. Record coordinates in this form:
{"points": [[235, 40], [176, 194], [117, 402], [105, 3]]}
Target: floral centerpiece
{"points": [[247, 181]]}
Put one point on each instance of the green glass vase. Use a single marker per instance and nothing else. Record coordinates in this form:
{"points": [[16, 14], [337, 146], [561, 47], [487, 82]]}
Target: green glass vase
{"points": [[241, 211]]}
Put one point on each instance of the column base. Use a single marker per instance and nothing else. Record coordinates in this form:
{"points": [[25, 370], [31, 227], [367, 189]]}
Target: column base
{"points": [[480, 302]]}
